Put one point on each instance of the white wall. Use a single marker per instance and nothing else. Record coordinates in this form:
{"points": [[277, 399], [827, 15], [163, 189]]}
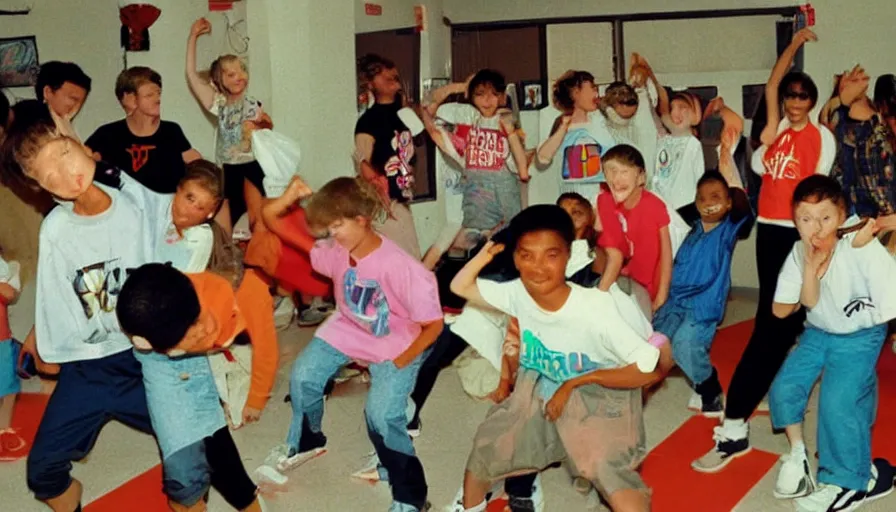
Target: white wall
{"points": [[396, 14], [87, 32]]}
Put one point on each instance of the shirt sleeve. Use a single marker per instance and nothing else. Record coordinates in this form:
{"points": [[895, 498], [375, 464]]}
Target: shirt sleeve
{"points": [[658, 210], [97, 141], [418, 287], [879, 271], [790, 279], [366, 124], [453, 120], [179, 140], [611, 236], [323, 256], [622, 339], [828, 151], [500, 295], [200, 241], [217, 103]]}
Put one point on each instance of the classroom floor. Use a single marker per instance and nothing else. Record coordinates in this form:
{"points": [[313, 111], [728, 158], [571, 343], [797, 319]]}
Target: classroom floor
{"points": [[122, 470]]}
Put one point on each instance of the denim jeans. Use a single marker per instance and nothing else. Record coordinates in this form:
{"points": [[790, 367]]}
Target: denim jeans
{"points": [[848, 401], [690, 339], [385, 414]]}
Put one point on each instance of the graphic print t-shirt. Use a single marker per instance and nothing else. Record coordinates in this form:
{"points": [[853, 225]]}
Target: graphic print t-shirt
{"points": [[155, 161], [234, 139], [635, 233], [82, 265], [856, 291], [476, 143], [574, 340], [679, 166], [393, 147], [582, 148], [381, 300]]}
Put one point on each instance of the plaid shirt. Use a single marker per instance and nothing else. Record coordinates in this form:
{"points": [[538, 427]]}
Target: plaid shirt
{"points": [[864, 163]]}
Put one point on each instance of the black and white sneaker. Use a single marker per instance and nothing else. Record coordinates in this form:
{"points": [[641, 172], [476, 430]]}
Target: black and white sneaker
{"points": [[832, 498], [728, 447]]}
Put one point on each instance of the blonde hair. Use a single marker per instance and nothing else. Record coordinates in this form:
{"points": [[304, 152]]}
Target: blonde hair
{"points": [[216, 72], [343, 198]]}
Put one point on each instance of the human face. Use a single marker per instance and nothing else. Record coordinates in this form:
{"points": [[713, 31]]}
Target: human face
{"points": [[682, 113], [148, 100], [582, 216], [817, 223], [62, 168], [349, 232], [585, 97], [386, 84], [797, 104], [713, 201], [541, 257], [487, 100], [66, 101], [234, 78], [192, 205], [625, 181], [627, 109], [196, 338]]}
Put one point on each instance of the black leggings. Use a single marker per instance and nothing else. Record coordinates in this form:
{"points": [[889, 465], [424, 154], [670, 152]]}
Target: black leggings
{"points": [[444, 351], [772, 337], [234, 177]]}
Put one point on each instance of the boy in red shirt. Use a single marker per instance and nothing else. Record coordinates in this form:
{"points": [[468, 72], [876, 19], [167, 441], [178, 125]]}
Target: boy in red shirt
{"points": [[635, 229]]}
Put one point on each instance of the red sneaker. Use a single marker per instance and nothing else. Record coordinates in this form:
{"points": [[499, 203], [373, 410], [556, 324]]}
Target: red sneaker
{"points": [[12, 446]]}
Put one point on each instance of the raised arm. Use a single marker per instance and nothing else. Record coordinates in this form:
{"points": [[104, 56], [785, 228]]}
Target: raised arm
{"points": [[464, 283], [517, 150], [431, 106], [274, 209], [203, 91], [782, 66]]}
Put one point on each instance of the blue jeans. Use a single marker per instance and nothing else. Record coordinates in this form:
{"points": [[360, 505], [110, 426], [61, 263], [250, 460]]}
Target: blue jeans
{"points": [[847, 404], [385, 413], [690, 339]]}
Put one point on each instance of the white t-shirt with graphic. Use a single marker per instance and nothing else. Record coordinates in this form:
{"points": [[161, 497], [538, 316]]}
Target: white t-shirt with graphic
{"points": [[856, 291], [474, 142], [82, 264], [679, 166], [586, 334]]}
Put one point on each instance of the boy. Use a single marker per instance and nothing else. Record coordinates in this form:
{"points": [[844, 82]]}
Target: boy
{"points": [[150, 150], [558, 406], [64, 87], [635, 230], [848, 296]]}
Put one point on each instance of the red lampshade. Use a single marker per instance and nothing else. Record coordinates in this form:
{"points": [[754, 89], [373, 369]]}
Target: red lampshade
{"points": [[138, 18]]}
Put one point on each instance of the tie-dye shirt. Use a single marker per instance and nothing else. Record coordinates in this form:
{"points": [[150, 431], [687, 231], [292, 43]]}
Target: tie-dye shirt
{"points": [[381, 300]]}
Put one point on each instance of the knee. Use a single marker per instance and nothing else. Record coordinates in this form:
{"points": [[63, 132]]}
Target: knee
{"points": [[381, 419], [303, 381], [629, 500], [47, 476], [187, 476]]}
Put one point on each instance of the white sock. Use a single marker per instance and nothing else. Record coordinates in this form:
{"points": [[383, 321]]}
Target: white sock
{"points": [[736, 429], [798, 448]]}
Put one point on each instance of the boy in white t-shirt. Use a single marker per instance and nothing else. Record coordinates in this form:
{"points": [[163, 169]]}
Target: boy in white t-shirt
{"points": [[575, 398], [849, 298]]}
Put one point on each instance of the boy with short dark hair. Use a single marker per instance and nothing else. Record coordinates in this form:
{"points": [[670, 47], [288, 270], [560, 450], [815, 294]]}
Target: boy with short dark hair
{"points": [[152, 151]]}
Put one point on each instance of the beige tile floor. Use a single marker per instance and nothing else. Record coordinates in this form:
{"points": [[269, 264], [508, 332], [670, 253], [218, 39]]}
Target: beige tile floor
{"points": [[450, 420]]}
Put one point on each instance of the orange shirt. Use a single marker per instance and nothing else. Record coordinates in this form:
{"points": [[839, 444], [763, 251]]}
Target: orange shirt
{"points": [[249, 309]]}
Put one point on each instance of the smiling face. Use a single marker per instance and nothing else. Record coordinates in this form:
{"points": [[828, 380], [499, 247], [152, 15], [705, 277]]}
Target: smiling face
{"points": [[713, 201], [349, 232], [682, 113], [192, 205], [67, 100], [487, 100], [62, 168], [797, 103], [234, 77], [625, 181], [541, 257], [582, 216], [817, 223], [585, 97]]}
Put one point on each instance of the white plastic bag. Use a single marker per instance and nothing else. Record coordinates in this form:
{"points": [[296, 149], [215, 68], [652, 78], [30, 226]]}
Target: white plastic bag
{"points": [[279, 157]]}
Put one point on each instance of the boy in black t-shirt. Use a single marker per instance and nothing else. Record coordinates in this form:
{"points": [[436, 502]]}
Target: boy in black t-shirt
{"points": [[152, 151]]}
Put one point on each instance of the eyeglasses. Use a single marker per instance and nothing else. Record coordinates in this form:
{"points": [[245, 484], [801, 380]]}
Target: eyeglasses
{"points": [[629, 103], [794, 95]]}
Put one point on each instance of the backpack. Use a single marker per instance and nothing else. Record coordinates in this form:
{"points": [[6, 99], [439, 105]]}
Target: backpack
{"points": [[226, 259]]}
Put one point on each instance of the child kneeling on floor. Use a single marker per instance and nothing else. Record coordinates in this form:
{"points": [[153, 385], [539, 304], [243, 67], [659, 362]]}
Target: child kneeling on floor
{"points": [[848, 295], [577, 398], [388, 314]]}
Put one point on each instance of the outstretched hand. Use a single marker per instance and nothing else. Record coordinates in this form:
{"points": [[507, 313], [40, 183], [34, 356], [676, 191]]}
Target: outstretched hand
{"points": [[489, 251], [200, 27], [853, 85], [803, 36], [299, 188]]}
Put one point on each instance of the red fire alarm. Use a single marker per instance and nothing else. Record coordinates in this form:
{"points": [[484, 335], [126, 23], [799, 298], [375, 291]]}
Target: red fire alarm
{"points": [[373, 9]]}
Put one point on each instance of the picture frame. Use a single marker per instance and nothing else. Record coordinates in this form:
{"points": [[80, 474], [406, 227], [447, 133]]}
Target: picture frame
{"points": [[532, 95], [19, 64], [431, 84]]}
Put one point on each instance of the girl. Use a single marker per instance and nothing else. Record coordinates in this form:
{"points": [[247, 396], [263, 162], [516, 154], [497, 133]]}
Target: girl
{"points": [[484, 144], [792, 150], [552, 413], [580, 135], [387, 317], [384, 137], [12, 445], [238, 116], [584, 246]]}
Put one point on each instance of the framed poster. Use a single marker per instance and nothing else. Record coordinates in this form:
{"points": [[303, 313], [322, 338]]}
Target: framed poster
{"points": [[18, 61], [532, 95]]}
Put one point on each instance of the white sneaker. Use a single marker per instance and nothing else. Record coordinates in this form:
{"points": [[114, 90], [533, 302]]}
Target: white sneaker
{"points": [[795, 476], [370, 469], [830, 498], [538, 494], [282, 461], [695, 403]]}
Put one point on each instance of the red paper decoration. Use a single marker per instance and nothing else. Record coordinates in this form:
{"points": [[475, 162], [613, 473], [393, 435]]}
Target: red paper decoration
{"points": [[136, 20]]}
